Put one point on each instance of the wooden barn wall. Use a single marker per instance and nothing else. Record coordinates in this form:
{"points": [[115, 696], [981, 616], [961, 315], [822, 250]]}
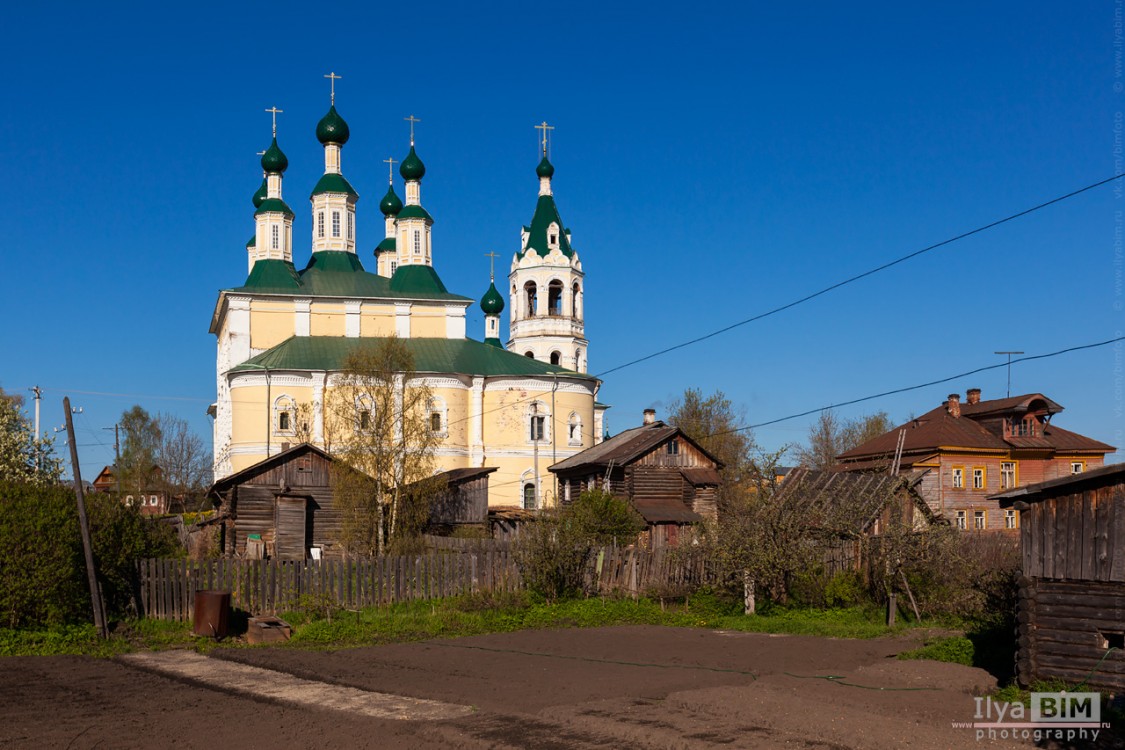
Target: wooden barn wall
{"points": [[654, 483], [310, 470], [687, 456], [466, 502], [1065, 630], [255, 511], [1078, 536], [705, 501]]}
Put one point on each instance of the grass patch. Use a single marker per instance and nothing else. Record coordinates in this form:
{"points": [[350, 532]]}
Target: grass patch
{"points": [[956, 650], [331, 628]]}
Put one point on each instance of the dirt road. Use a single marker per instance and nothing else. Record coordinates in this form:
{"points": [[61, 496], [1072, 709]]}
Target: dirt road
{"points": [[643, 687]]}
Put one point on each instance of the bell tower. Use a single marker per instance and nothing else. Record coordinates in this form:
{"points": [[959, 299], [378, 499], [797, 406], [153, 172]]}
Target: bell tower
{"points": [[546, 283]]}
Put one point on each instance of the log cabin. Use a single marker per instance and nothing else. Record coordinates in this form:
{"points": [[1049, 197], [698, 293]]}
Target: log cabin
{"points": [[665, 475], [1071, 609]]}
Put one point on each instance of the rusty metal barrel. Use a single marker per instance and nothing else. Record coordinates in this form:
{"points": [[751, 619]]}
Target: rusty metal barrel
{"points": [[212, 613]]}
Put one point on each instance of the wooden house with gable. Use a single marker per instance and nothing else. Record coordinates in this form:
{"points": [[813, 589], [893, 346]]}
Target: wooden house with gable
{"points": [[282, 504], [666, 476], [1072, 591]]}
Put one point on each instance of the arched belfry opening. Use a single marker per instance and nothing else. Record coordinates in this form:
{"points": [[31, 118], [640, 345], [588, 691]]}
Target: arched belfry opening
{"points": [[555, 298]]}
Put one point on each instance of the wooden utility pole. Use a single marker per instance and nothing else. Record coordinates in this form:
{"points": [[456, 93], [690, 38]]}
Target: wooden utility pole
{"points": [[84, 524]]}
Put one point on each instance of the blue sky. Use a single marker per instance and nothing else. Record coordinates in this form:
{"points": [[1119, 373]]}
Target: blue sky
{"points": [[713, 161]]}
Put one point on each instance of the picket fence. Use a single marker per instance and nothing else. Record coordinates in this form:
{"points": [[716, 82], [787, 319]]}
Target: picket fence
{"points": [[168, 586]]}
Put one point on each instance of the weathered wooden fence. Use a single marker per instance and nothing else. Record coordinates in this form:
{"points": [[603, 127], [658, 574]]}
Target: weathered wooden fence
{"points": [[168, 586], [465, 545]]}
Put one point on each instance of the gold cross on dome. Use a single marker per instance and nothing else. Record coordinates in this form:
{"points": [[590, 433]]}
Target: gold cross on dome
{"points": [[334, 78], [275, 112], [412, 119], [491, 265], [545, 128], [390, 169]]}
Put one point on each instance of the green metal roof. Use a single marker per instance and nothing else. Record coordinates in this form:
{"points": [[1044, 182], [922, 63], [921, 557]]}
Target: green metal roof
{"points": [[261, 193], [334, 183], [492, 303], [391, 203], [274, 205], [274, 274], [545, 168], [387, 244], [253, 241], [332, 128], [412, 167], [431, 355], [334, 273], [273, 160], [493, 341], [415, 212], [418, 279], [545, 213]]}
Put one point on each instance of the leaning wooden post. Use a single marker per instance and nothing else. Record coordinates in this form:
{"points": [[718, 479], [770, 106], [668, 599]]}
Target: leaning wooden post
{"points": [[749, 604], [84, 525]]}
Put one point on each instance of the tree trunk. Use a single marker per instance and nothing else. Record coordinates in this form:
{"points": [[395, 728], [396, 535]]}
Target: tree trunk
{"points": [[748, 602]]}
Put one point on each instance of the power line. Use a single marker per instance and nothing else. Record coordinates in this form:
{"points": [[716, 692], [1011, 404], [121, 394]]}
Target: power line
{"points": [[919, 386], [129, 395], [863, 275]]}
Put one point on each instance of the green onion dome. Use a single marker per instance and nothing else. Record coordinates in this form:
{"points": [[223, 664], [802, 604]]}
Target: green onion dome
{"points": [[412, 167], [545, 168], [261, 194], [391, 204], [332, 128], [273, 161], [492, 303]]}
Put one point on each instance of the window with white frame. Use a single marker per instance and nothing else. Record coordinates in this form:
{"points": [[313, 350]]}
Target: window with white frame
{"points": [[574, 429], [320, 224], [364, 414], [980, 521], [284, 409], [978, 478], [351, 226], [417, 242], [394, 267], [1009, 519], [1077, 467], [537, 423], [1007, 475], [335, 223], [275, 237], [438, 415], [959, 519], [958, 478], [529, 502]]}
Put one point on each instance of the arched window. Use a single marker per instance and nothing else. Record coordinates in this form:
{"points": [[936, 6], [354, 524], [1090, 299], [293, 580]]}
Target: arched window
{"points": [[575, 306], [364, 414], [538, 423], [578, 364], [553, 236], [439, 415], [554, 297], [556, 358], [532, 298], [284, 413], [529, 355], [574, 429], [529, 496]]}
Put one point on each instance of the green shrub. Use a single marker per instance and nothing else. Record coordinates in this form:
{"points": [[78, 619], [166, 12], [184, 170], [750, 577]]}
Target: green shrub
{"points": [[42, 566], [845, 589]]}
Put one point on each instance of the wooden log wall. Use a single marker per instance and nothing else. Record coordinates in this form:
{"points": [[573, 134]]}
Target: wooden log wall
{"points": [[273, 586], [1079, 536], [1067, 627]]}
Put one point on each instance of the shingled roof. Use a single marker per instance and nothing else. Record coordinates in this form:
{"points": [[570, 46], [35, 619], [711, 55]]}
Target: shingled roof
{"points": [[847, 503], [938, 428], [626, 447]]}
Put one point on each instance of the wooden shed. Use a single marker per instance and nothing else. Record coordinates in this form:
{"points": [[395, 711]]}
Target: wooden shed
{"points": [[459, 497], [668, 477], [1072, 591], [285, 501]]}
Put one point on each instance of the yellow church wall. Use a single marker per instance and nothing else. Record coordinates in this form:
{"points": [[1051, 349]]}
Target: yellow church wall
{"points": [[424, 326], [249, 406], [326, 319], [270, 323], [377, 321]]}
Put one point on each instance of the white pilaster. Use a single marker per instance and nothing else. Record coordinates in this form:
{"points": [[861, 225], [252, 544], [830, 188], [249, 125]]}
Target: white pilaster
{"points": [[351, 318], [476, 422], [402, 320], [301, 308], [454, 322]]}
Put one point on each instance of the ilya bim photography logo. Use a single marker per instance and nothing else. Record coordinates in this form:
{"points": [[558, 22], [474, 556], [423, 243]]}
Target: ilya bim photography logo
{"points": [[1061, 716]]}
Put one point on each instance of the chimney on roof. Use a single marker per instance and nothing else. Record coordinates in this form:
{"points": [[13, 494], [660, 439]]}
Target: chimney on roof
{"points": [[953, 405], [650, 416], [973, 395]]}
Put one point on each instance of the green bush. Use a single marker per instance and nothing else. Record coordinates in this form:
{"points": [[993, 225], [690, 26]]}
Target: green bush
{"points": [[845, 589], [42, 566]]}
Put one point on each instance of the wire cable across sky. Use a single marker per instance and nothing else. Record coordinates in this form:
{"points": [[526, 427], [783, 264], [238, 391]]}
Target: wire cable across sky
{"points": [[865, 274]]}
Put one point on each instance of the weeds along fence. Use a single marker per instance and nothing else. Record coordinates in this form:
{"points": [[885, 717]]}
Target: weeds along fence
{"points": [[168, 586]]}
